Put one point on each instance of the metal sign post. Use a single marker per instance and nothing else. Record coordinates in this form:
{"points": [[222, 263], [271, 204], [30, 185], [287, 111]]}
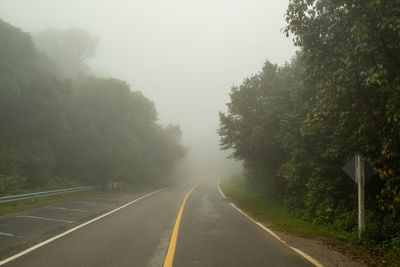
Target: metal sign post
{"points": [[360, 177], [355, 168]]}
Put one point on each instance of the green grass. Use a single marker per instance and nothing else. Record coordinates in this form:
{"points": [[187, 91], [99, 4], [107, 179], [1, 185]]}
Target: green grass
{"points": [[28, 204], [279, 219]]}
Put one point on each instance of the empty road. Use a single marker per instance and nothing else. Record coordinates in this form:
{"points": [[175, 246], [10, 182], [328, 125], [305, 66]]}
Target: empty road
{"points": [[211, 233]]}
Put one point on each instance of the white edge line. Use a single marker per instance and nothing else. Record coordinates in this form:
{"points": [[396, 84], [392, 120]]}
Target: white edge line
{"points": [[73, 229], [219, 189], [308, 257], [6, 234], [303, 254]]}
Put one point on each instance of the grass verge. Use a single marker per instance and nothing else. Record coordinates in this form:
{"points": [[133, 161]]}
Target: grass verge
{"points": [[280, 220]]}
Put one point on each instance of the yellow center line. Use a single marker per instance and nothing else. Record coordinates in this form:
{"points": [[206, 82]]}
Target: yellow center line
{"points": [[172, 244]]}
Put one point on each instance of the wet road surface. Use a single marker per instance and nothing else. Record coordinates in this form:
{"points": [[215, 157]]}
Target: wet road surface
{"points": [[211, 233]]}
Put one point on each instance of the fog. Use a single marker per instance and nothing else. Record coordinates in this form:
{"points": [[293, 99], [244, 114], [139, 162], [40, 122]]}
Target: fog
{"points": [[184, 55]]}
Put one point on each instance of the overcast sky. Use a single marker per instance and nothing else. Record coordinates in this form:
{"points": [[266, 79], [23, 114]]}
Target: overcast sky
{"points": [[184, 55]]}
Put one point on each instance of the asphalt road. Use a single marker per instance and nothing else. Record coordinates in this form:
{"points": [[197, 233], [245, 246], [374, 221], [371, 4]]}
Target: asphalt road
{"points": [[211, 233], [22, 230]]}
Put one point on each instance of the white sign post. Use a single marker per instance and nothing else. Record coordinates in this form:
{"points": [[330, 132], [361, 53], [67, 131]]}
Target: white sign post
{"points": [[355, 168]]}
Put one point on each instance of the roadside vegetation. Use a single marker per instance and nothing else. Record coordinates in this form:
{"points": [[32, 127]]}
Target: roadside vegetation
{"points": [[295, 126], [63, 126]]}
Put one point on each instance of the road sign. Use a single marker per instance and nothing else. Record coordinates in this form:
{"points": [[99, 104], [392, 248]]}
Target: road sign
{"points": [[350, 169]]}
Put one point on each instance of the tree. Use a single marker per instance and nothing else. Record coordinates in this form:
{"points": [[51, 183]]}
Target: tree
{"points": [[252, 126], [32, 105], [263, 128], [113, 135], [83, 128], [352, 52], [69, 49]]}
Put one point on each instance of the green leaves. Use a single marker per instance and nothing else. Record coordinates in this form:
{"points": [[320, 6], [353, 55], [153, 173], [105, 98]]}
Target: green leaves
{"points": [[351, 50], [295, 126], [115, 128]]}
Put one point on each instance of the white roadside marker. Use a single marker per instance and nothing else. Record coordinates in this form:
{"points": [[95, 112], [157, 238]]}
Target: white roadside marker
{"points": [[220, 191], [73, 229], [298, 251]]}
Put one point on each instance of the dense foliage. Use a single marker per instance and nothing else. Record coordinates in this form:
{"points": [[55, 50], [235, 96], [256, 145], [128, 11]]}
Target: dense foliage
{"points": [[295, 126], [59, 125]]}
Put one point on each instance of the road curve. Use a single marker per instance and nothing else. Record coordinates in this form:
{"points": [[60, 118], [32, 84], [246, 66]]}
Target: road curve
{"points": [[211, 233]]}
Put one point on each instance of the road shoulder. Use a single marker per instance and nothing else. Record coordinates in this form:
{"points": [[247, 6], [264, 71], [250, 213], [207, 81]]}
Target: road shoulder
{"points": [[320, 251], [315, 248]]}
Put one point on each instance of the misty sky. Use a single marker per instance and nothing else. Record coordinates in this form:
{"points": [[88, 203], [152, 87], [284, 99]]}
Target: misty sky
{"points": [[184, 55]]}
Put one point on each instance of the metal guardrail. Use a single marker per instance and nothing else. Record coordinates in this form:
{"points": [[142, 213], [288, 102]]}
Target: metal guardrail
{"points": [[47, 193]]}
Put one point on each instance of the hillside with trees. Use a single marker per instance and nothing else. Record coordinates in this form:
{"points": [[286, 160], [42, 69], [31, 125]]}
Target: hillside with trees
{"points": [[295, 126], [61, 125]]}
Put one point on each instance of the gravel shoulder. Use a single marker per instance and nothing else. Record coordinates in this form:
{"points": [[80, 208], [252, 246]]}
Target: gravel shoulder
{"points": [[319, 250]]}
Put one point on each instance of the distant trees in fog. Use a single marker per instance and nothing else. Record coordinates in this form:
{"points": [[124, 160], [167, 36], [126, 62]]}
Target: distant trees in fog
{"points": [[60, 124]]}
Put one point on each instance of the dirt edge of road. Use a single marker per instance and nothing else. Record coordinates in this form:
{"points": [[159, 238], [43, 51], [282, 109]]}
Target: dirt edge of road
{"points": [[320, 251]]}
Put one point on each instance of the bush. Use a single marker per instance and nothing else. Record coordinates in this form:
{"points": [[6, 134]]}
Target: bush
{"points": [[345, 220], [11, 184]]}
